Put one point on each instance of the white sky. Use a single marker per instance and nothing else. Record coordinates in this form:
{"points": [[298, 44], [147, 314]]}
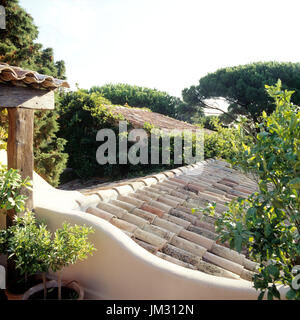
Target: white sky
{"points": [[164, 44]]}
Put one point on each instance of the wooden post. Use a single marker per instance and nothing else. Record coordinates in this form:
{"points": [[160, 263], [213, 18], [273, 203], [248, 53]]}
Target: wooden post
{"points": [[20, 149]]}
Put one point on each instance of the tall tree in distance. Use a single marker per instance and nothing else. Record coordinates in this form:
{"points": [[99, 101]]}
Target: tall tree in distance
{"points": [[18, 48], [243, 87]]}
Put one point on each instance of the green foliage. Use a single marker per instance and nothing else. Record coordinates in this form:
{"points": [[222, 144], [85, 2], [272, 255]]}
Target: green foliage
{"points": [[226, 143], [18, 47], [207, 122], [141, 97], [189, 113], [243, 87], [34, 249], [49, 157], [29, 245], [3, 129], [82, 115], [70, 244], [268, 222], [11, 185]]}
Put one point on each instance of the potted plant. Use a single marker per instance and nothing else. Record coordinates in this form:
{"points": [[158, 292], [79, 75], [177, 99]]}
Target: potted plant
{"points": [[11, 198], [28, 244], [69, 244]]}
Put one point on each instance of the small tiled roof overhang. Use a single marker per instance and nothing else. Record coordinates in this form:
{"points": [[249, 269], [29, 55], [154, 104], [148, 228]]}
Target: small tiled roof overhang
{"points": [[156, 212], [19, 77], [139, 116]]}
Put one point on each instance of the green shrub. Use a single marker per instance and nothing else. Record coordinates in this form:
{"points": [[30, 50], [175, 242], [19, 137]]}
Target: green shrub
{"points": [[226, 143], [140, 97], [29, 245], [82, 115], [49, 157], [268, 222], [34, 249], [11, 185], [70, 244]]}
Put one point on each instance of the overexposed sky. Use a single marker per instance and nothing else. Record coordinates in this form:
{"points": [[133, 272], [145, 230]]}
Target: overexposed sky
{"points": [[164, 44]]}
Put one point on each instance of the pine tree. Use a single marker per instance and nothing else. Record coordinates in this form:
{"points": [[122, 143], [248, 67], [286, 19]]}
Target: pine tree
{"points": [[18, 48]]}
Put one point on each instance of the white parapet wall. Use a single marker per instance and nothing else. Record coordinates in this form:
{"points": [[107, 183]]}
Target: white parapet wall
{"points": [[120, 268]]}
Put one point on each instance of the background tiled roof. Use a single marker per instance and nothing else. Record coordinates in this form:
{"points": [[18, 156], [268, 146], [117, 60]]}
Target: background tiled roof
{"points": [[20, 77], [138, 117]]}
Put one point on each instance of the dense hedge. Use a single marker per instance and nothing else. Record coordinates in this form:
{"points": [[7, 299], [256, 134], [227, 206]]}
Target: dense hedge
{"points": [[226, 143], [82, 115], [155, 100]]}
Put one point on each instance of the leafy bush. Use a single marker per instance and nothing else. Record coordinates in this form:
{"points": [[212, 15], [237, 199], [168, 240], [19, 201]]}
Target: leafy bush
{"points": [[34, 249], [69, 245], [226, 143], [3, 129], [49, 157], [29, 245], [82, 115], [268, 222], [140, 97], [11, 185]]}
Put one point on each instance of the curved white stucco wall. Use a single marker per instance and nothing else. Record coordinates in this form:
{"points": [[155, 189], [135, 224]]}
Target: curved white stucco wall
{"points": [[121, 269]]}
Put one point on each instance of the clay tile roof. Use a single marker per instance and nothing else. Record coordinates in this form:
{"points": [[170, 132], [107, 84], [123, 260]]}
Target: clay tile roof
{"points": [[158, 216], [138, 117], [20, 77]]}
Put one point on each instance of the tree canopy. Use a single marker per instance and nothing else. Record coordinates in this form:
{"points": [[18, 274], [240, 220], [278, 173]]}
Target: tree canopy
{"points": [[244, 87], [267, 223], [18, 48]]}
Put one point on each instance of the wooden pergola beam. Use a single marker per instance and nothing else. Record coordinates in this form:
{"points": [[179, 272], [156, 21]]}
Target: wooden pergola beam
{"points": [[21, 103], [24, 97], [20, 149]]}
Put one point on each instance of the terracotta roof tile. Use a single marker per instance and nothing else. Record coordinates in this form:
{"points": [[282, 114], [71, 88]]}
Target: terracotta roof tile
{"points": [[204, 231], [168, 225], [150, 238], [144, 214], [147, 246], [198, 239], [157, 214], [100, 213], [173, 260], [153, 210], [124, 205], [138, 116], [20, 77], [135, 202], [124, 225]]}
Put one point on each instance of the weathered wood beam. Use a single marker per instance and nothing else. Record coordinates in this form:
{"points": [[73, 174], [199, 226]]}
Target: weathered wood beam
{"points": [[25, 97], [20, 148]]}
